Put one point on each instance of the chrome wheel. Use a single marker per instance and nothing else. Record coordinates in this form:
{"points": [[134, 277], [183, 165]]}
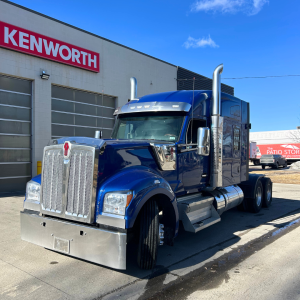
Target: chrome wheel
{"points": [[258, 196]]}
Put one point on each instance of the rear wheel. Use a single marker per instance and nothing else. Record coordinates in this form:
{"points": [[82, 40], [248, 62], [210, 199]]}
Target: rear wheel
{"points": [[149, 236], [254, 204], [263, 167], [276, 166], [267, 192]]}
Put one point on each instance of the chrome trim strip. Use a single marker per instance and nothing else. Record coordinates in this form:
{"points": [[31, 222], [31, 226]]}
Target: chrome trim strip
{"points": [[187, 150], [111, 220], [83, 102], [81, 126], [90, 243], [15, 163], [15, 92], [15, 134], [15, 120], [15, 106], [11, 177], [152, 106], [14, 148], [69, 113], [180, 150]]}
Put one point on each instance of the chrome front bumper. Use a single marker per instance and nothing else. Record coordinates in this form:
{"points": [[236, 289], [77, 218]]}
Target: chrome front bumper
{"points": [[92, 244]]}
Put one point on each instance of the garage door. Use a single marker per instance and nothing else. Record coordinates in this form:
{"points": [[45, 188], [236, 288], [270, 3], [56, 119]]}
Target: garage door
{"points": [[15, 134], [77, 113]]}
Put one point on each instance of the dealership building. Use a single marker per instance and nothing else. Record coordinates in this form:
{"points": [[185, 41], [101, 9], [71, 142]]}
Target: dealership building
{"points": [[57, 80]]}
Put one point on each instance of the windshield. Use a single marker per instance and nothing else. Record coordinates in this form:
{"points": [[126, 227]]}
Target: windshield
{"points": [[162, 127]]}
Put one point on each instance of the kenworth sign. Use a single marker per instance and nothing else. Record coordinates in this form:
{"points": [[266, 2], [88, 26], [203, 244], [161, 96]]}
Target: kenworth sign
{"points": [[22, 40]]}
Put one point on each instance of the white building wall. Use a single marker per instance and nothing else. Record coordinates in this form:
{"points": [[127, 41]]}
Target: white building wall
{"points": [[117, 65], [275, 137]]}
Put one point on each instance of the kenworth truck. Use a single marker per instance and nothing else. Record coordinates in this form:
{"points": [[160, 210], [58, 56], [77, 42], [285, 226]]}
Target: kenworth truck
{"points": [[173, 156]]}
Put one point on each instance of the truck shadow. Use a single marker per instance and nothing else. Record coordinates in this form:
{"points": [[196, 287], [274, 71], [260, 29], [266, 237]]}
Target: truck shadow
{"points": [[191, 249]]}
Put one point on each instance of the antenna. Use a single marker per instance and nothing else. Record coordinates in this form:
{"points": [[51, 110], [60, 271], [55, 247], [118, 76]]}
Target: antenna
{"points": [[192, 111]]}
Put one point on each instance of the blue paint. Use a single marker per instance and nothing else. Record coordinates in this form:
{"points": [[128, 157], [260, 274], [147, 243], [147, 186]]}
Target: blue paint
{"points": [[37, 179]]}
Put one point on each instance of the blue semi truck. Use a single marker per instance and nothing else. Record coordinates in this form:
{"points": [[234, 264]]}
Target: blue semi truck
{"points": [[174, 156]]}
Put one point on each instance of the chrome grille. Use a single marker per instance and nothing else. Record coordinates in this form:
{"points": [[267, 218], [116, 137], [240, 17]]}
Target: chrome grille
{"points": [[52, 180], [80, 182]]}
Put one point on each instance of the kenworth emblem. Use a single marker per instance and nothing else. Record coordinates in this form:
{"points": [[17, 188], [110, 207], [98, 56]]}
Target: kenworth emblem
{"points": [[67, 148]]}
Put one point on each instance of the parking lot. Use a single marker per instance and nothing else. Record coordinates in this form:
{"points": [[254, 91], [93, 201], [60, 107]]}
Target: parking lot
{"points": [[32, 272], [280, 175]]}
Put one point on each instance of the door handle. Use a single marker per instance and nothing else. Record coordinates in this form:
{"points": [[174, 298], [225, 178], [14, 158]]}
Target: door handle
{"points": [[204, 175]]}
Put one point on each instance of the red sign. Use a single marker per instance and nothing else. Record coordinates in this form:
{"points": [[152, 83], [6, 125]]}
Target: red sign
{"points": [[286, 150], [22, 40]]}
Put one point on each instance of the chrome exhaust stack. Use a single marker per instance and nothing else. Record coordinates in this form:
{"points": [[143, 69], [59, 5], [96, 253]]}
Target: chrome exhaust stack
{"points": [[97, 134], [133, 88], [216, 131]]}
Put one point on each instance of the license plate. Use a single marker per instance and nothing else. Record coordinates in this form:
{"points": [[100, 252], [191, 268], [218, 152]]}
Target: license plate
{"points": [[61, 245]]}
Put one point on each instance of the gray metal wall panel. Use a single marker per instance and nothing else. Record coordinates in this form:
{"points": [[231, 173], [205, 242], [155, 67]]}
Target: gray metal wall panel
{"points": [[201, 82], [13, 184], [93, 112], [15, 133]]}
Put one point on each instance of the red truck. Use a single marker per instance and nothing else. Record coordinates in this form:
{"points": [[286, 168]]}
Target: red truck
{"points": [[284, 142]]}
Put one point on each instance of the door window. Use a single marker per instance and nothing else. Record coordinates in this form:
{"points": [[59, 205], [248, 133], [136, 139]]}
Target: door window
{"points": [[191, 134]]}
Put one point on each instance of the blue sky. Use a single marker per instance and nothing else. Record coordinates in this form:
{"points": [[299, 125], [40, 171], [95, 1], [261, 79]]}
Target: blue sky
{"points": [[251, 38]]}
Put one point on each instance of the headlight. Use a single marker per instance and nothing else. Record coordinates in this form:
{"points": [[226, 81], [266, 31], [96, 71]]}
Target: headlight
{"points": [[33, 191], [116, 203]]}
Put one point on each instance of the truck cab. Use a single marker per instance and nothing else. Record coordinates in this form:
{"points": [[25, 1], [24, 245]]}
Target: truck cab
{"points": [[173, 157]]}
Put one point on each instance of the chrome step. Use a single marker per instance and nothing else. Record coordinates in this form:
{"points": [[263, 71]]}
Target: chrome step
{"points": [[197, 212]]}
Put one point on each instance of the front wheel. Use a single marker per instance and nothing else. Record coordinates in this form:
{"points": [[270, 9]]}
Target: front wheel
{"points": [[263, 167], [149, 236]]}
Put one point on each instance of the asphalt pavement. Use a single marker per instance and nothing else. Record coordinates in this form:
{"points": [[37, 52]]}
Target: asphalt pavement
{"points": [[32, 272]]}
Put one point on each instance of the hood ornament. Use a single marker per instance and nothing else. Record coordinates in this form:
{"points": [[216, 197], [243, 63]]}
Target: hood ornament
{"points": [[67, 148]]}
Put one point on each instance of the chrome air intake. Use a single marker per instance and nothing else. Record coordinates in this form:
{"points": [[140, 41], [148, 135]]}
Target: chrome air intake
{"points": [[216, 131]]}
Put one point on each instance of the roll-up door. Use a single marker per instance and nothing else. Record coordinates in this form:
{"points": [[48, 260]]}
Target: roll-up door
{"points": [[77, 113], [15, 133]]}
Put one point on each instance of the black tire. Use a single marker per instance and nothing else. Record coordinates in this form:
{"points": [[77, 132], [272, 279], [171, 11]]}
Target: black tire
{"points": [[255, 204], [267, 192], [149, 236], [276, 166], [285, 166], [263, 167]]}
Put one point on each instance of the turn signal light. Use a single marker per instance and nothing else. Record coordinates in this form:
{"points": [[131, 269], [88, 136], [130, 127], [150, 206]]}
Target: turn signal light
{"points": [[129, 198]]}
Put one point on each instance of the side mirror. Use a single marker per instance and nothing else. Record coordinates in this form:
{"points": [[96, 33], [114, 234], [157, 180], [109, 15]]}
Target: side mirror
{"points": [[203, 141]]}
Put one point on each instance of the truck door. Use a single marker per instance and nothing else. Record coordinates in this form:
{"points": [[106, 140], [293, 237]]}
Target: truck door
{"points": [[193, 168]]}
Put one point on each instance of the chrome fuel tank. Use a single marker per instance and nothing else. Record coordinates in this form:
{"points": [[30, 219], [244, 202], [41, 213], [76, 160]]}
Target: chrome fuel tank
{"points": [[227, 197]]}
